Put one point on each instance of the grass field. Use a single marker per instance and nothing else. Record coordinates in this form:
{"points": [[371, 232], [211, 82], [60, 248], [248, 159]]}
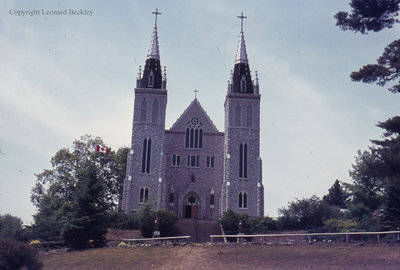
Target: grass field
{"points": [[220, 256]]}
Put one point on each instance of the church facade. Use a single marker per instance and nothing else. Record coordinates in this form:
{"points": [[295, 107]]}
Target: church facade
{"points": [[193, 168]]}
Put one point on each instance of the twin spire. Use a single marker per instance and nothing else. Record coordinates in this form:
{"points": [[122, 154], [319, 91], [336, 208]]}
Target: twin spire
{"points": [[241, 54], [152, 77]]}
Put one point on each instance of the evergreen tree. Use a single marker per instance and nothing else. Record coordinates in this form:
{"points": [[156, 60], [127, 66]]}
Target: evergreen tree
{"points": [[376, 173], [375, 15], [87, 225], [336, 196]]}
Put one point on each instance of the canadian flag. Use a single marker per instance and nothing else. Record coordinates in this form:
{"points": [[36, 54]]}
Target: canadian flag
{"points": [[102, 149]]}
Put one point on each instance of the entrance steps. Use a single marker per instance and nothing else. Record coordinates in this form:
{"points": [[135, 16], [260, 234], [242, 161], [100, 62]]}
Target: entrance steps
{"points": [[198, 230]]}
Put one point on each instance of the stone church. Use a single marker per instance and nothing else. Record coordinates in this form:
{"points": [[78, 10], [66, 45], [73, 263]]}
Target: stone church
{"points": [[193, 168]]}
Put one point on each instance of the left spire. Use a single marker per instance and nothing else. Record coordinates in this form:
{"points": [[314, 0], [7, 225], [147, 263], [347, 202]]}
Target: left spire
{"points": [[154, 50]]}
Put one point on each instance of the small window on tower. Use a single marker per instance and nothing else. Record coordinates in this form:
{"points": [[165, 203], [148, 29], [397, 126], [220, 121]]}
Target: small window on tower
{"points": [[151, 79], [243, 84]]}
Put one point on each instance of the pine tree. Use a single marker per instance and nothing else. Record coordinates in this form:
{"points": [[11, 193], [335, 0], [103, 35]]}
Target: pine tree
{"points": [[87, 224], [336, 196]]}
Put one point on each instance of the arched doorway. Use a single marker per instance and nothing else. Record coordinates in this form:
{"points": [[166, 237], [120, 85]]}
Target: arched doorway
{"points": [[191, 205]]}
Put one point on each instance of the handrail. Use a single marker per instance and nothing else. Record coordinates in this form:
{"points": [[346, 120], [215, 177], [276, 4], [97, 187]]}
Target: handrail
{"points": [[307, 234]]}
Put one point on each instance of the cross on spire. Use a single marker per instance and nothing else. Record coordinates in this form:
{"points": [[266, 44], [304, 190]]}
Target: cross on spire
{"points": [[159, 13], [195, 93], [241, 17]]}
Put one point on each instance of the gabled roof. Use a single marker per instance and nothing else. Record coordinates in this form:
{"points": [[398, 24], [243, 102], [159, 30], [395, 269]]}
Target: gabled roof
{"points": [[194, 110]]}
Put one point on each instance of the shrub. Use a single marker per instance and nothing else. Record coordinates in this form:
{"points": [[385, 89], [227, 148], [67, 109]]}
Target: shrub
{"points": [[15, 255], [11, 227], [166, 219], [122, 221], [147, 217], [340, 225]]}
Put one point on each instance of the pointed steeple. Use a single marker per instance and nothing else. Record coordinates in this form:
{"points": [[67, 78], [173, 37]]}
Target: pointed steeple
{"points": [[152, 77], [154, 50], [241, 54], [241, 78]]}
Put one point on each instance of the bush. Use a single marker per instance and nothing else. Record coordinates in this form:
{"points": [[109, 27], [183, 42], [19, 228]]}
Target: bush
{"points": [[340, 225], [147, 217], [166, 219], [15, 255], [122, 221], [11, 227]]}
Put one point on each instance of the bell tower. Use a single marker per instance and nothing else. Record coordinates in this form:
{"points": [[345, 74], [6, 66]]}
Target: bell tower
{"points": [[144, 182], [242, 189]]}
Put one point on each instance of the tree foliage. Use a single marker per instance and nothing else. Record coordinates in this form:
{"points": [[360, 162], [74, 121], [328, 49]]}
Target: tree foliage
{"points": [[11, 227], [307, 213], [336, 196], [87, 224], [374, 15], [369, 15], [376, 178], [54, 193], [386, 70]]}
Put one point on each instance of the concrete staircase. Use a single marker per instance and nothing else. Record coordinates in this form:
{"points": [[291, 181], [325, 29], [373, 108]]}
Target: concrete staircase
{"points": [[198, 230]]}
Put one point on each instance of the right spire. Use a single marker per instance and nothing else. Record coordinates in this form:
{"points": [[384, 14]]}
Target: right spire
{"points": [[241, 54], [241, 78]]}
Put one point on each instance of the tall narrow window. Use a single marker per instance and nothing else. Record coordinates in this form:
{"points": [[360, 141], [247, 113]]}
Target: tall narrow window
{"points": [[144, 195], [243, 160], [212, 198], [243, 84], [194, 134], [171, 196], [243, 199], [249, 116], [143, 111], [146, 156], [238, 115], [151, 79], [154, 118]]}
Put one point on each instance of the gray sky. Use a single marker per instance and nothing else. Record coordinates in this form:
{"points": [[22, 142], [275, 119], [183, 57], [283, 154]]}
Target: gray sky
{"points": [[63, 76]]}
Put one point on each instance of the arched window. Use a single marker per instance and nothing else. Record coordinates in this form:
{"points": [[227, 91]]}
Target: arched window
{"points": [[243, 84], [146, 156], [143, 111], [194, 134], [151, 79], [144, 195], [238, 115], [154, 118], [243, 199], [243, 160], [249, 116]]}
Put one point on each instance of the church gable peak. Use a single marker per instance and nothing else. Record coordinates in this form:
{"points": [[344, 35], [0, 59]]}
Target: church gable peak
{"points": [[194, 112]]}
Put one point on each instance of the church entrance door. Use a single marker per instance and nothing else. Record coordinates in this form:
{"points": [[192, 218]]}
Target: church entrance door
{"points": [[191, 208]]}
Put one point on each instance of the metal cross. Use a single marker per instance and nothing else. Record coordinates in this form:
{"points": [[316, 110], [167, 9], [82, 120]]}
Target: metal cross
{"points": [[195, 92], [158, 13], [241, 17]]}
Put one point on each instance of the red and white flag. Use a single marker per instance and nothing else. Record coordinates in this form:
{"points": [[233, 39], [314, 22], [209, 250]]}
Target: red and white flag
{"points": [[102, 149]]}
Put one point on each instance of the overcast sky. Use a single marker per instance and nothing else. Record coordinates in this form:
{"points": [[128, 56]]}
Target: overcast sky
{"points": [[63, 76]]}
